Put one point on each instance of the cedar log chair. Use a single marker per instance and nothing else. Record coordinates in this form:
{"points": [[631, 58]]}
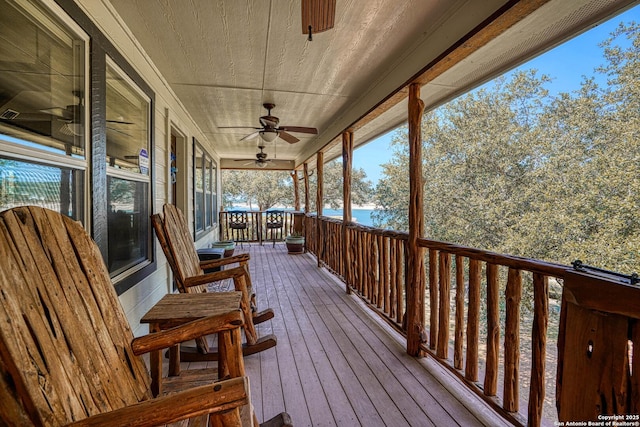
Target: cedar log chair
{"points": [[67, 353], [175, 239]]}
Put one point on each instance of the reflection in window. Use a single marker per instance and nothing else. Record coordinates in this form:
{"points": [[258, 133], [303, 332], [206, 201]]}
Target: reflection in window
{"points": [[199, 189], [127, 124], [52, 187], [128, 182], [128, 223], [42, 79]]}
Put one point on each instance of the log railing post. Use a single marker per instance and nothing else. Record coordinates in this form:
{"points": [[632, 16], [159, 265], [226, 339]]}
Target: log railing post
{"points": [[415, 260], [493, 331], [307, 198], [319, 206], [473, 321], [347, 165], [512, 341], [539, 343], [459, 323], [296, 191], [434, 297], [444, 268]]}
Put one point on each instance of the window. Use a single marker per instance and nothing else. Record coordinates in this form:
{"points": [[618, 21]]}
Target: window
{"points": [[128, 195], [43, 81], [204, 190], [53, 187]]}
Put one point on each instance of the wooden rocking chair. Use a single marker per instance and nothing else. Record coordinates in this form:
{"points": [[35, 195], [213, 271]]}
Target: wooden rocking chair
{"points": [[67, 354], [175, 239]]}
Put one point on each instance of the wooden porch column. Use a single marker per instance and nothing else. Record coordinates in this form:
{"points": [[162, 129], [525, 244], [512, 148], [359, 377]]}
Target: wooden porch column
{"points": [[415, 254], [319, 205], [296, 191], [307, 198], [347, 166]]}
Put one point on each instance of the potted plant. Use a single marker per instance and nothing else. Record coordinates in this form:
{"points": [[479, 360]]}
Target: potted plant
{"points": [[228, 246], [295, 243]]}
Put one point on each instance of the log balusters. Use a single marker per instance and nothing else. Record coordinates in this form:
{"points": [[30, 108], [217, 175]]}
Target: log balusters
{"points": [[539, 341], [459, 322], [512, 341], [493, 331], [463, 324], [444, 271], [473, 320]]}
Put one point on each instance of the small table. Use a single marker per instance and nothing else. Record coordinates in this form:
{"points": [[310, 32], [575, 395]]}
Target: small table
{"points": [[176, 309]]}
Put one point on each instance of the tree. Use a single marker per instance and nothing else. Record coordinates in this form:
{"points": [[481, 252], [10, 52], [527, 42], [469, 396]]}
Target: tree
{"points": [[361, 187], [509, 169], [264, 188], [271, 188]]}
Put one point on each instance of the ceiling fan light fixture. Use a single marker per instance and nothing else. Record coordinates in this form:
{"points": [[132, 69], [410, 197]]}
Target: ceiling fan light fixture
{"points": [[261, 164], [268, 135]]}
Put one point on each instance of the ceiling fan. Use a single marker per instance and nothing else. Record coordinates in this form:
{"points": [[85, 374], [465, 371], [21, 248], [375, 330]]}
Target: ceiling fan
{"points": [[260, 161], [270, 130]]}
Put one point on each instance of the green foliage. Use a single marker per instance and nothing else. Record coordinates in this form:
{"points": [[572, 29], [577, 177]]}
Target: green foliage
{"points": [[509, 169], [270, 188], [263, 188], [361, 187]]}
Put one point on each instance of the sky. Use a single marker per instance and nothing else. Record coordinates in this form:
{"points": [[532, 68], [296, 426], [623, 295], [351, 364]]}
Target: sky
{"points": [[565, 64]]}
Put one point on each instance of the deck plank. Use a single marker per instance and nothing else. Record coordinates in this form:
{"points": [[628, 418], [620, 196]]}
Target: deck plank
{"points": [[335, 364]]}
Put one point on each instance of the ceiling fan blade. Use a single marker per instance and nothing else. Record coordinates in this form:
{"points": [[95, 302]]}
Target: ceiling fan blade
{"points": [[251, 135], [120, 122], [288, 137], [299, 129], [238, 127]]}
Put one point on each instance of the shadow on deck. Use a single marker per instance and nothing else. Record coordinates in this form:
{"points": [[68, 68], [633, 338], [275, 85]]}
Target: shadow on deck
{"points": [[338, 364]]}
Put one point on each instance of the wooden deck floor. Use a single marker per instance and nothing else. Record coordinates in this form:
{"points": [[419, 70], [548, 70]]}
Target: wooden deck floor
{"points": [[336, 365]]}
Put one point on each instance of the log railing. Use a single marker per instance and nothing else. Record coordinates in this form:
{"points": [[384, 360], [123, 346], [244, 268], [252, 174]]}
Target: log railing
{"points": [[476, 324], [256, 230]]}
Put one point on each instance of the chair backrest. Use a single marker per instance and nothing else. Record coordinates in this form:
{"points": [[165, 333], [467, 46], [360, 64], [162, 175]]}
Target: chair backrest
{"points": [[238, 219], [274, 219], [175, 239], [65, 341]]}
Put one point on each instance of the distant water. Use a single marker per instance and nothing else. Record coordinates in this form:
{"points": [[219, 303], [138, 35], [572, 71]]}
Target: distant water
{"points": [[361, 216]]}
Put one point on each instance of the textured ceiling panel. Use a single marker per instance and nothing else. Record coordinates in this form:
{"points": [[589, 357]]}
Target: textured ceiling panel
{"points": [[225, 58]]}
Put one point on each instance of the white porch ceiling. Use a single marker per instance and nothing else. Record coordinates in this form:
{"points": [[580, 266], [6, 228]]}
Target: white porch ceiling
{"points": [[225, 58]]}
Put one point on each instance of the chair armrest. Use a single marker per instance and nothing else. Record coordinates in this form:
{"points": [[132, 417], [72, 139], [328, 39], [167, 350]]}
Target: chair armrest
{"points": [[220, 396], [215, 276], [213, 263], [187, 331]]}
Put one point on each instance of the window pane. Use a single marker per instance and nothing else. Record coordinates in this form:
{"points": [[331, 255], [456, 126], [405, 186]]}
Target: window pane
{"points": [[127, 125], [52, 187], [207, 185], [199, 188], [214, 192], [42, 80], [128, 223]]}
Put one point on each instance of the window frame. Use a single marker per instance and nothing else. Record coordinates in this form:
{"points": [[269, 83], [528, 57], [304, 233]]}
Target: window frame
{"points": [[209, 210], [29, 147]]}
